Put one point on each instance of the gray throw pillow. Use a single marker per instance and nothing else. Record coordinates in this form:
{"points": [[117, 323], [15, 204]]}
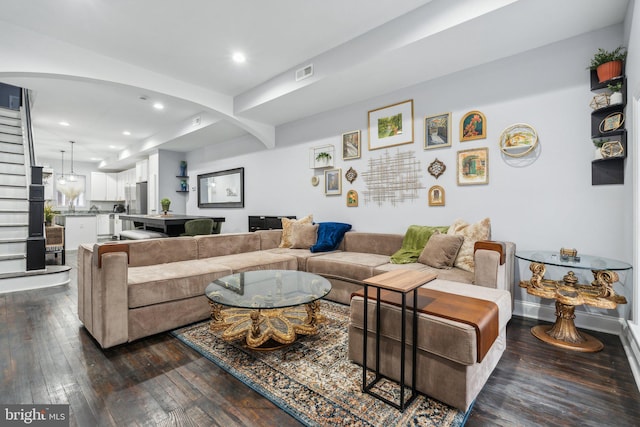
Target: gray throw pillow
{"points": [[303, 236], [441, 250]]}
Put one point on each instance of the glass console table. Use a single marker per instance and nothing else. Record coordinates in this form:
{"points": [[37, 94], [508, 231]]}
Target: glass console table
{"points": [[568, 294]]}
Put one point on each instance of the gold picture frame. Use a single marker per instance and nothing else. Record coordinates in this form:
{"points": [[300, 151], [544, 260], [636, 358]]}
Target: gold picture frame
{"points": [[391, 125], [473, 125], [351, 145], [612, 122], [473, 166], [436, 196], [352, 199]]}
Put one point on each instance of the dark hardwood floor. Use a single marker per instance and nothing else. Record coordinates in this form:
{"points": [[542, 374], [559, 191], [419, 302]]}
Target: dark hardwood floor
{"points": [[46, 356]]}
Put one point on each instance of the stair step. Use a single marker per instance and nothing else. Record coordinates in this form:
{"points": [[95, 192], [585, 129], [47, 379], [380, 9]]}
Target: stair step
{"points": [[13, 232], [14, 224], [19, 204], [15, 158], [13, 264], [11, 256], [5, 112], [13, 192], [13, 247], [10, 147], [52, 275], [12, 168], [10, 121], [19, 180], [11, 130], [11, 139], [14, 217]]}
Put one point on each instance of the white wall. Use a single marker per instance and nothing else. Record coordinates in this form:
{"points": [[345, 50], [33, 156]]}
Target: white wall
{"points": [[169, 167], [545, 201]]}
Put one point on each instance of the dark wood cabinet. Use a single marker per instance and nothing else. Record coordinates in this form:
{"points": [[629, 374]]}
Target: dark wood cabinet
{"points": [[608, 170], [266, 222]]}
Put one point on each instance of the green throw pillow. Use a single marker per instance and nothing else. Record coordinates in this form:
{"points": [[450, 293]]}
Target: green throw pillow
{"points": [[414, 242]]}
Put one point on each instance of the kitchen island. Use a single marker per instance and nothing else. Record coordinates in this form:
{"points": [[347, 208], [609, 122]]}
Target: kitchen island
{"points": [[79, 228], [171, 225]]}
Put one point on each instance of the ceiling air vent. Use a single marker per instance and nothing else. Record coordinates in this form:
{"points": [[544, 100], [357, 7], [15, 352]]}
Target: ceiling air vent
{"points": [[304, 72]]}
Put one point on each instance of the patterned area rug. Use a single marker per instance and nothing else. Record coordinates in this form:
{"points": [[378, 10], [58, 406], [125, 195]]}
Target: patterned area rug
{"points": [[313, 380]]}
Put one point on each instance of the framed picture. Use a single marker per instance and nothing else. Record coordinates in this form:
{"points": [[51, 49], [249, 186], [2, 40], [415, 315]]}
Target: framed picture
{"points": [[391, 125], [222, 189], [518, 140], [473, 125], [473, 166], [352, 199], [612, 122], [351, 145], [436, 196], [437, 131], [333, 182]]}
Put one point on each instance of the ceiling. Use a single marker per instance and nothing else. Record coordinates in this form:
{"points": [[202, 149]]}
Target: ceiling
{"points": [[359, 49]]}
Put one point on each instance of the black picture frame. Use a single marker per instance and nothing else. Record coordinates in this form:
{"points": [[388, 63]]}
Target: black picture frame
{"points": [[221, 189]]}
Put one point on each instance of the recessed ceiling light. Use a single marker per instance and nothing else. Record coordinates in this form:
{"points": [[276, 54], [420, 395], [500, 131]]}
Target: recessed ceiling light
{"points": [[64, 123], [239, 57], [95, 159], [114, 147], [158, 106], [126, 132]]}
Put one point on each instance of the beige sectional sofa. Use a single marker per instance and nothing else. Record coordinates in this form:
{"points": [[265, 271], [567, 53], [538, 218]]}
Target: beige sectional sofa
{"points": [[130, 290]]}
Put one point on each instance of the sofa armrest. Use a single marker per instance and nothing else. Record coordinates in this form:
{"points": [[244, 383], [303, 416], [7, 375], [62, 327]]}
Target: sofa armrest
{"points": [[105, 298], [494, 265]]}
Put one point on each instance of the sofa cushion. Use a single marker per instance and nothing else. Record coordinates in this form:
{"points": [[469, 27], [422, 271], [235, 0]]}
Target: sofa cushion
{"points": [[287, 229], [441, 250], [330, 235], [153, 284], [302, 255], [472, 233], [160, 251], [450, 339], [258, 260], [352, 265], [303, 236], [225, 244], [372, 243]]}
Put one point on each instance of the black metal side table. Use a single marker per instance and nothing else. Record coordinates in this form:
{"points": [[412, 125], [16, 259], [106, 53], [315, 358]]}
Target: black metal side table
{"points": [[403, 282]]}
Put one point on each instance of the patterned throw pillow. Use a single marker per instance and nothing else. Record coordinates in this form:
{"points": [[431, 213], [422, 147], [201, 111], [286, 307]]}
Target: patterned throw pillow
{"points": [[471, 233], [287, 224]]}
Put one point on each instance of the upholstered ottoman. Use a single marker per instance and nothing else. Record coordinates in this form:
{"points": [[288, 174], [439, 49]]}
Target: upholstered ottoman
{"points": [[449, 365]]}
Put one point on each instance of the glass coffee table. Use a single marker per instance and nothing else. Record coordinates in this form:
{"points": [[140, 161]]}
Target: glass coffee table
{"points": [[269, 308]]}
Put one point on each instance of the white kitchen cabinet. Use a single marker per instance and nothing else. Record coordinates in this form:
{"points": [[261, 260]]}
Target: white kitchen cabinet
{"points": [[103, 225], [117, 225], [142, 170], [78, 229], [98, 186], [122, 182], [112, 186]]}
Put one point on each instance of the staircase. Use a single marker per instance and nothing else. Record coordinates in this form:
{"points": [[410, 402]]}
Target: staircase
{"points": [[15, 174], [14, 205]]}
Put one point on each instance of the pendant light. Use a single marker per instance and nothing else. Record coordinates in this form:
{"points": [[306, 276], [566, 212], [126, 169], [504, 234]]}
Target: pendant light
{"points": [[72, 177], [62, 179]]}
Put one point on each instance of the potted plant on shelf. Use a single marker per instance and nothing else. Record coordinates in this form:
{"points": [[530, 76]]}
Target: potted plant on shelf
{"points": [[165, 203], [183, 168], [608, 64], [616, 95], [49, 214]]}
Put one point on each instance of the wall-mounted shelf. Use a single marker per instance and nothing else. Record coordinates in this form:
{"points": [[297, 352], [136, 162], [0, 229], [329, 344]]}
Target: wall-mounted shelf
{"points": [[319, 163], [609, 170], [184, 180]]}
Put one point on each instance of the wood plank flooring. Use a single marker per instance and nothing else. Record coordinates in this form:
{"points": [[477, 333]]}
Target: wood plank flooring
{"points": [[46, 356]]}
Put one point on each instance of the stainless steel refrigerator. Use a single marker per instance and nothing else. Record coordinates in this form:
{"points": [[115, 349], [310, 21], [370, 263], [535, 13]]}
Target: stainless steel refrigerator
{"points": [[140, 204]]}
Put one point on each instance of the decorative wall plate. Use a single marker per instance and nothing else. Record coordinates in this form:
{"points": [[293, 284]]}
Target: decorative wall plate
{"points": [[315, 180], [436, 168], [518, 140], [351, 175]]}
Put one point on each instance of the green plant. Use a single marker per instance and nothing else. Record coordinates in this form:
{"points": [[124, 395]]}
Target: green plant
{"points": [[165, 203], [615, 87], [49, 213], [323, 155], [598, 142], [603, 56]]}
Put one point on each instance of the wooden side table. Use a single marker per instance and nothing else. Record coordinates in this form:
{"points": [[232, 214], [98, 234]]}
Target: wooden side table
{"points": [[402, 281], [568, 294]]}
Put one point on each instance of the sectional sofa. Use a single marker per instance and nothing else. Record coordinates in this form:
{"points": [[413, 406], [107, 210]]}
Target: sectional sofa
{"points": [[127, 291]]}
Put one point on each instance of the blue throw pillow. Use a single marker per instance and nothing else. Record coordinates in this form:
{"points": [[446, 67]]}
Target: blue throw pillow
{"points": [[330, 235]]}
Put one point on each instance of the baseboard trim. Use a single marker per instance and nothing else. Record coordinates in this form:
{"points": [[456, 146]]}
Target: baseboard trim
{"points": [[630, 338], [591, 321]]}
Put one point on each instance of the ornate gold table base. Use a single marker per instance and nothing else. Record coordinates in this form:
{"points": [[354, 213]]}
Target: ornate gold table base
{"points": [[569, 294], [266, 329]]}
